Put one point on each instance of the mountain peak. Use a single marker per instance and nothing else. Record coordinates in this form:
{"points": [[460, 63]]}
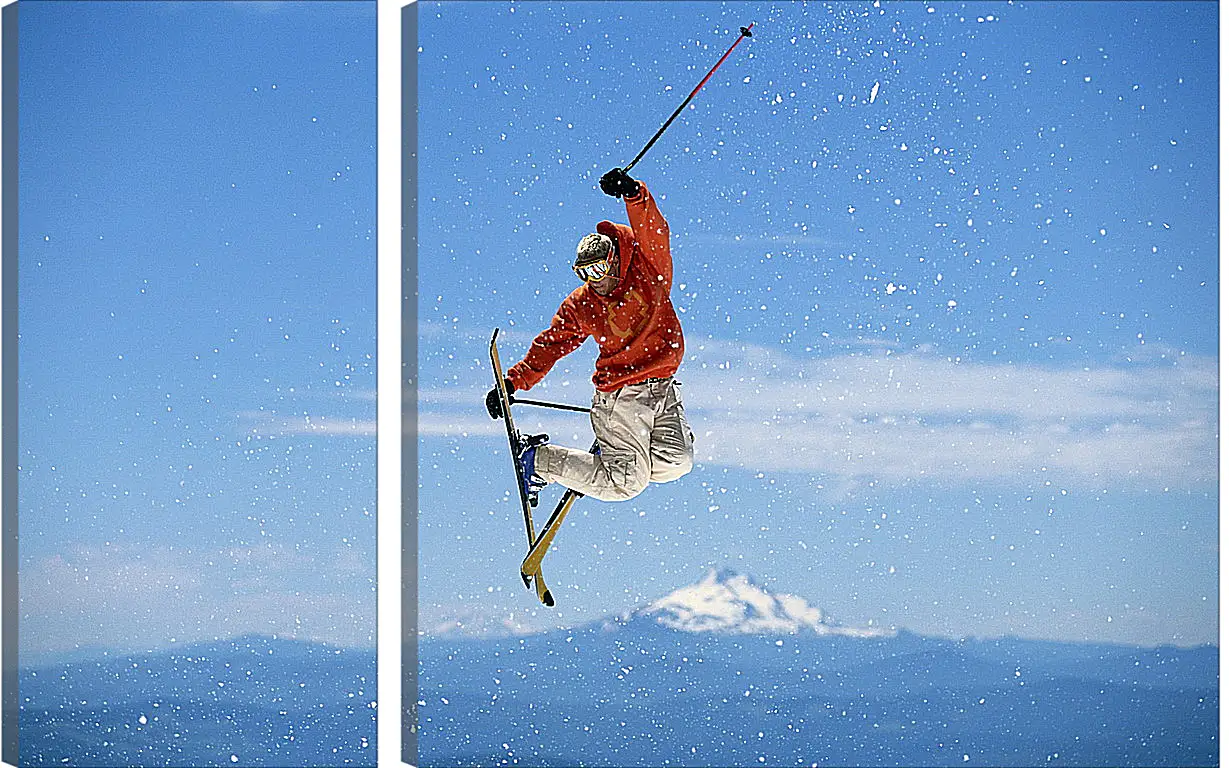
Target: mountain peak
{"points": [[728, 602]]}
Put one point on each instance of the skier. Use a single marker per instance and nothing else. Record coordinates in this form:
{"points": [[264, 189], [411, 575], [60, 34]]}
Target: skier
{"points": [[641, 431]]}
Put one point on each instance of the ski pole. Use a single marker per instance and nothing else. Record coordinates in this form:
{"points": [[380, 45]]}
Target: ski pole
{"points": [[522, 401], [743, 32]]}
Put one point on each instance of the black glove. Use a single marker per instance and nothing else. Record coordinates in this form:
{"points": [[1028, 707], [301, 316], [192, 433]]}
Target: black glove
{"points": [[617, 183], [493, 405]]}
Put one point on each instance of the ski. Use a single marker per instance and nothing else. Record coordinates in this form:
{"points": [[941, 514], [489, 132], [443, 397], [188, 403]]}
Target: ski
{"points": [[539, 546], [534, 576]]}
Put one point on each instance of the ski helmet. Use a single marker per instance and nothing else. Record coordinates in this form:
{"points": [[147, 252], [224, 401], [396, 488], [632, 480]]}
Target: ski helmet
{"points": [[593, 254]]}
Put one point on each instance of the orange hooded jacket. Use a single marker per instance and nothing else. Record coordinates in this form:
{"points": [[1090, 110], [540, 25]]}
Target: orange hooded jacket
{"points": [[637, 332]]}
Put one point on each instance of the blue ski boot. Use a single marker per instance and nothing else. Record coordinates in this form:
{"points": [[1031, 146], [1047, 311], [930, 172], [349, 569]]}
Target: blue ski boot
{"points": [[532, 482]]}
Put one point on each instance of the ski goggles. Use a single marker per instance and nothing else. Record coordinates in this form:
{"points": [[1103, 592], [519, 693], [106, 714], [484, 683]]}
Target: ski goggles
{"points": [[591, 273]]}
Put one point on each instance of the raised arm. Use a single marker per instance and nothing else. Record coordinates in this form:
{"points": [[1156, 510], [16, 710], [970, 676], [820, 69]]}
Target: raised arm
{"points": [[652, 231], [647, 223]]}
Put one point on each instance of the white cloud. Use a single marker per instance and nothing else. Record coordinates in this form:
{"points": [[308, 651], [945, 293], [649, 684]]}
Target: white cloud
{"points": [[892, 416], [436, 621], [918, 415], [131, 598], [431, 424], [325, 425], [270, 424]]}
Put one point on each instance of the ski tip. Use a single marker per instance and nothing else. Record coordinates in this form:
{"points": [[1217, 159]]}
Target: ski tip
{"points": [[495, 335], [528, 581], [548, 599]]}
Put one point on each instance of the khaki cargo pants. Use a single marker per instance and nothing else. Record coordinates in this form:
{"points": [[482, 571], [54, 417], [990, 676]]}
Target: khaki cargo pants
{"points": [[643, 435]]}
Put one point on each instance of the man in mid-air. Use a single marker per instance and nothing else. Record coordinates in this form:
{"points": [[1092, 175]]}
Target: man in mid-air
{"points": [[641, 432]]}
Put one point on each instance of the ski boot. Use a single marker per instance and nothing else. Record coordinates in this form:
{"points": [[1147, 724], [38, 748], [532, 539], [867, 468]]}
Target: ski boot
{"points": [[526, 452]]}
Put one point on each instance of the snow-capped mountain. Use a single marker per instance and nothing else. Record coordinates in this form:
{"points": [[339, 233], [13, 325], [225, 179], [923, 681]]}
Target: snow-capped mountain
{"points": [[725, 672], [731, 603]]}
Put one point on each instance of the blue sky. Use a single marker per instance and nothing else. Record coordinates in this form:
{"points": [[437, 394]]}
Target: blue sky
{"points": [[948, 278], [197, 316]]}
